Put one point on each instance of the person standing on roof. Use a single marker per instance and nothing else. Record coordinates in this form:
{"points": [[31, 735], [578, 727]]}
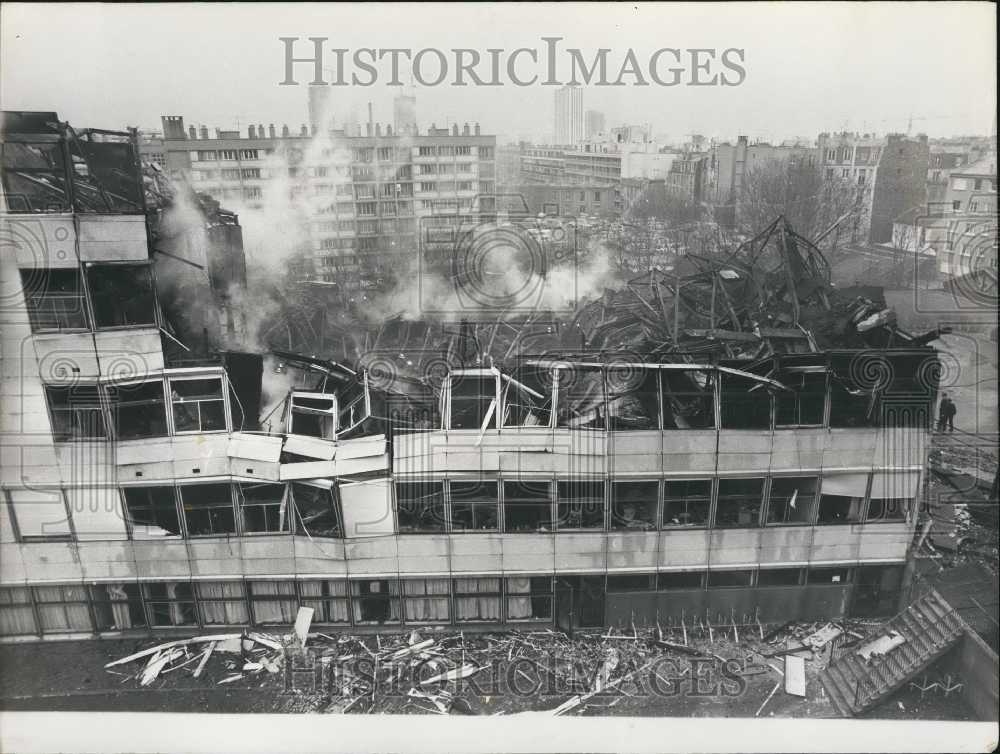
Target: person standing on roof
{"points": [[946, 414]]}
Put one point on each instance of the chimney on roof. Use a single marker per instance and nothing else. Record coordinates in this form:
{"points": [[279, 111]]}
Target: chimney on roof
{"points": [[192, 132], [388, 129], [260, 130], [173, 127], [465, 130], [304, 130], [251, 132], [271, 131], [203, 132], [477, 129], [285, 131], [454, 129], [378, 129]]}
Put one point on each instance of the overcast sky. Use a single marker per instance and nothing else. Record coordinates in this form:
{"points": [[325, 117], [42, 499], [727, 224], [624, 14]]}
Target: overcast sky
{"points": [[809, 67]]}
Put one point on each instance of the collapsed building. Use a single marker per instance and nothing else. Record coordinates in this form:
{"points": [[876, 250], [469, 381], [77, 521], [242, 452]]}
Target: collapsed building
{"points": [[731, 440]]}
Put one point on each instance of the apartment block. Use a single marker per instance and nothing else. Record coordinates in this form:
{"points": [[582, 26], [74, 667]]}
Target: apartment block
{"points": [[361, 198]]}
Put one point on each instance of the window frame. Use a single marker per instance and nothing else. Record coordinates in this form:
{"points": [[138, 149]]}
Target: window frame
{"points": [[718, 500], [232, 508], [223, 398], [90, 267], [129, 524], [663, 525]]}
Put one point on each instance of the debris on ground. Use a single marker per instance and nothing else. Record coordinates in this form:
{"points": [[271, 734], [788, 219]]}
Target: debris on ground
{"points": [[435, 671]]}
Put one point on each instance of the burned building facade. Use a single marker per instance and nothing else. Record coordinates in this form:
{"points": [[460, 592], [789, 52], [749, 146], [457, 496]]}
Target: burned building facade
{"points": [[736, 442]]}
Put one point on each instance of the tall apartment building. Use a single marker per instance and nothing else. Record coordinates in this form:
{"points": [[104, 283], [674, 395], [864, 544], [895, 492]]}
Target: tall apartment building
{"points": [[568, 123], [593, 124], [362, 198]]}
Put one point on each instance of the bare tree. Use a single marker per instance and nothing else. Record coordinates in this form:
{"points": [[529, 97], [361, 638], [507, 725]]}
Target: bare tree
{"points": [[811, 203]]}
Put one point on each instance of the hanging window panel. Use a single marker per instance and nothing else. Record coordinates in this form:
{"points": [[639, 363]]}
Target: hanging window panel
{"points": [[375, 600], [262, 508], [477, 599], [169, 603], [328, 599], [222, 602], [17, 617], [426, 600], [841, 498], [273, 601], [118, 607], [40, 514], [317, 510], [581, 402]]}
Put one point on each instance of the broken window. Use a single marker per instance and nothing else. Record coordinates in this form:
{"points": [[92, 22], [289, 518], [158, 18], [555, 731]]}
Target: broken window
{"points": [[671, 580], [117, 607], [139, 410], [198, 405], [687, 502], [526, 405], [76, 413], [581, 402], [40, 514], [634, 505], [34, 177], [262, 508], [805, 401], [273, 601], [222, 602], [633, 398], [63, 608], [17, 616], [853, 404], [328, 599], [827, 575], [416, 411], [475, 506], [739, 503], [473, 399], [54, 299], [151, 512], [170, 603], [122, 295], [688, 399], [426, 600], [105, 175], [841, 498], [745, 403], [375, 600], [892, 496], [317, 510], [779, 576], [529, 598], [208, 509], [527, 506], [313, 414], [420, 506], [792, 500], [638, 582], [743, 577], [355, 406], [581, 504], [477, 599]]}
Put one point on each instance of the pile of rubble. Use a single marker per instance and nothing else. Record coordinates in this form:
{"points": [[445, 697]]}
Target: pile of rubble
{"points": [[435, 671]]}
